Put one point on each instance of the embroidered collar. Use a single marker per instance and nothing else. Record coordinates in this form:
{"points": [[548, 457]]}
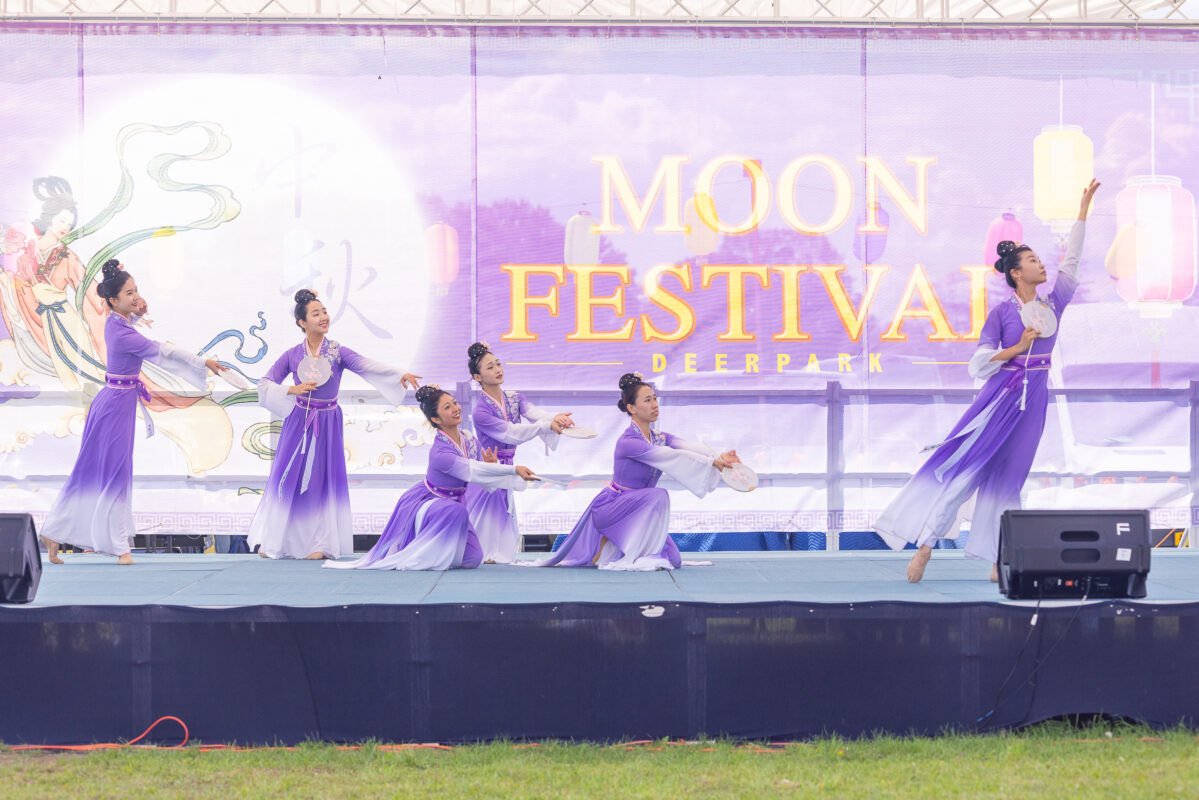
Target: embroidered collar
{"points": [[1020, 304], [468, 449], [511, 408], [656, 436], [120, 320], [329, 350]]}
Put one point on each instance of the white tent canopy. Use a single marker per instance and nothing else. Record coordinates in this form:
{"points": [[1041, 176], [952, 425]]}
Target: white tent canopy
{"points": [[884, 12]]}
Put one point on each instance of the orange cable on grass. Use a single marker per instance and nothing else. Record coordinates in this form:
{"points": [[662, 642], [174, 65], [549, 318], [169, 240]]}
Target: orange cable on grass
{"points": [[115, 745]]}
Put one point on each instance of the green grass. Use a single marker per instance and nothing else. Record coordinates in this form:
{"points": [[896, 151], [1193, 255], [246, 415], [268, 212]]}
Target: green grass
{"points": [[1051, 760]]}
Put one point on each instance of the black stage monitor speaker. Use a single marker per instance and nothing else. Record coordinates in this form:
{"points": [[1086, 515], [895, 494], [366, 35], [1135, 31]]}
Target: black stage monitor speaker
{"points": [[20, 559], [1064, 554]]}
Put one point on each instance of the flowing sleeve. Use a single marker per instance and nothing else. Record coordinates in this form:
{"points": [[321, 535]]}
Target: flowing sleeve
{"points": [[272, 394], [531, 412], [692, 469], [981, 366], [387, 380], [1067, 273], [130, 341], [488, 476], [514, 432], [178, 361], [693, 447]]}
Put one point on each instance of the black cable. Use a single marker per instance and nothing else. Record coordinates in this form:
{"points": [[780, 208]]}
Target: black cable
{"points": [[1032, 628], [1039, 662]]}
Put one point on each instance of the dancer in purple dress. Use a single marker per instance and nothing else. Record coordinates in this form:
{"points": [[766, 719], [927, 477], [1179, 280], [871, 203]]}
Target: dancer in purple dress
{"points": [[94, 510], [991, 448], [626, 527], [305, 509], [430, 527], [498, 426]]}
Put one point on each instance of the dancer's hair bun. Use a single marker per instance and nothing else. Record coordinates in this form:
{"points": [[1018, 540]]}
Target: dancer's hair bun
{"points": [[630, 384], [113, 281], [1006, 248], [478, 350], [426, 393], [305, 296]]}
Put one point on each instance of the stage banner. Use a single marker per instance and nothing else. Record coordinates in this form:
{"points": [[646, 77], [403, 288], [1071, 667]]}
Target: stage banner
{"points": [[789, 231]]}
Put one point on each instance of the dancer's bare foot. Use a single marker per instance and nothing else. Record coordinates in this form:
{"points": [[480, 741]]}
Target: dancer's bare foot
{"points": [[489, 561], [126, 558], [262, 553], [994, 573], [314, 557], [51, 550], [918, 563]]}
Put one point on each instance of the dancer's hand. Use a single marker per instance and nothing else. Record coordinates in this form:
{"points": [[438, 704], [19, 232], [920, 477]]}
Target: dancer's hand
{"points": [[1087, 195], [556, 426], [527, 474], [564, 420], [302, 388], [140, 310], [1029, 336], [730, 457], [410, 380], [489, 456], [216, 366]]}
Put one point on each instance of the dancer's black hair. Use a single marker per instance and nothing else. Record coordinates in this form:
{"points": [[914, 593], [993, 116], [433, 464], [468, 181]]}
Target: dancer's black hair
{"points": [[630, 384], [1009, 259], [429, 397], [303, 298], [113, 281]]}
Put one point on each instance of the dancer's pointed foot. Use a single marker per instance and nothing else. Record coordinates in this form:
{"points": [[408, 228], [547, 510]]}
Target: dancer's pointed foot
{"points": [[994, 573], [51, 550], [262, 553], [126, 558], [918, 563], [314, 557]]}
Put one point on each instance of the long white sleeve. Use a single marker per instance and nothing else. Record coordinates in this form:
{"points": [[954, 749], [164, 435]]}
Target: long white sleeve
{"points": [[537, 414], [692, 469], [387, 380], [517, 432], [981, 366], [489, 476], [1069, 265], [274, 398], [183, 364], [693, 447], [1067, 272]]}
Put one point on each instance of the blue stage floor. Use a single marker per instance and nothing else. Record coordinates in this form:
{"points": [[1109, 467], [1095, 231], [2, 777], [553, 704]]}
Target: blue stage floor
{"points": [[226, 581]]}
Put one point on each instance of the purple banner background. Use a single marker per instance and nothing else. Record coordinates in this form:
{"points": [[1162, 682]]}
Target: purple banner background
{"points": [[352, 151]]}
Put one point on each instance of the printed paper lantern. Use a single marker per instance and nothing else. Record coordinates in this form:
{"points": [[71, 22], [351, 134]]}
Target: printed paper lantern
{"points": [[700, 240], [582, 245], [1004, 228], [441, 256], [1063, 164], [1153, 256]]}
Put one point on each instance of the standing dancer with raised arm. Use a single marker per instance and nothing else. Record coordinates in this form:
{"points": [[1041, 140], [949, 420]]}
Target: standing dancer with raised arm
{"points": [[305, 508], [991, 448], [94, 510], [498, 426]]}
